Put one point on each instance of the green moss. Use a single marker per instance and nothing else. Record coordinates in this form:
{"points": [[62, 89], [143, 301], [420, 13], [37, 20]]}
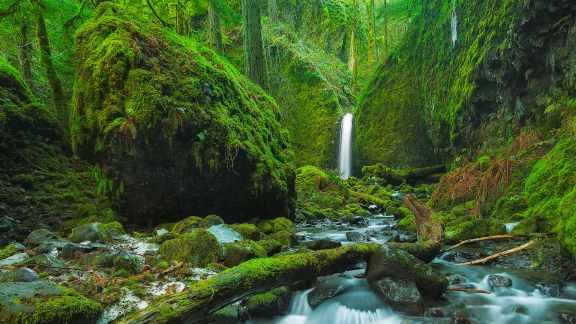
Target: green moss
{"points": [[248, 231], [198, 248], [271, 246], [270, 303], [8, 250], [285, 238], [238, 252], [212, 220], [276, 225], [187, 224]]}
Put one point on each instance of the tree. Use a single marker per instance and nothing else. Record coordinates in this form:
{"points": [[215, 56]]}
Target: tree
{"points": [[215, 32], [48, 64], [253, 45]]}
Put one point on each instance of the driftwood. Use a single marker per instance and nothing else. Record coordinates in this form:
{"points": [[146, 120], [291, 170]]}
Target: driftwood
{"points": [[426, 228], [500, 254], [259, 275], [469, 290], [480, 239]]}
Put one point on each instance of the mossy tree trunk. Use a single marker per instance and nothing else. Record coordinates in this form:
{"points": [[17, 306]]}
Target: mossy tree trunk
{"points": [[46, 58], [260, 275], [253, 45], [215, 31], [26, 53]]}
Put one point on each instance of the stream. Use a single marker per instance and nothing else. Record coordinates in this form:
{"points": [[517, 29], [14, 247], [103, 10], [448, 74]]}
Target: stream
{"points": [[510, 295]]}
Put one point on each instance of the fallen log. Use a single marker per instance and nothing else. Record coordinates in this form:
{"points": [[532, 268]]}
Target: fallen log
{"points": [[399, 176], [500, 254], [480, 239], [259, 275]]}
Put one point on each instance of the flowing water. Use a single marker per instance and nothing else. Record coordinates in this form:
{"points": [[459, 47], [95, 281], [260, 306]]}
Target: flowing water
{"points": [[521, 299], [454, 24], [345, 160]]}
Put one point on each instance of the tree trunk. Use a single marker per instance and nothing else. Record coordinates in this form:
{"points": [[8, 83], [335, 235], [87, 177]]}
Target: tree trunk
{"points": [[252, 277], [215, 33], [253, 46], [372, 51], [25, 54], [427, 229], [273, 11], [46, 57]]}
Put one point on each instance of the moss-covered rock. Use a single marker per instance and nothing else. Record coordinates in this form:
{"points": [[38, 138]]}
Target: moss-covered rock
{"points": [[271, 246], [238, 252], [187, 224], [10, 250], [272, 303], [248, 231], [44, 302], [197, 247], [276, 225], [212, 220], [178, 129], [285, 238], [96, 232]]}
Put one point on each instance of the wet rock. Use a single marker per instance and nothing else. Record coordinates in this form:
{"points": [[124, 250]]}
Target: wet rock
{"points": [[394, 263], [19, 275], [212, 220], [515, 309], [567, 318], [355, 237], [398, 291], [119, 260], [358, 221], [40, 236], [434, 312], [96, 232], [323, 244], [47, 262], [456, 279], [458, 256], [329, 288], [11, 249], [499, 281], [549, 289], [14, 259], [71, 250], [50, 246], [224, 234], [45, 301]]}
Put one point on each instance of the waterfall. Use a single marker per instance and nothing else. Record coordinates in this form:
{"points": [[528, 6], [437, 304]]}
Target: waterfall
{"points": [[345, 161], [454, 24]]}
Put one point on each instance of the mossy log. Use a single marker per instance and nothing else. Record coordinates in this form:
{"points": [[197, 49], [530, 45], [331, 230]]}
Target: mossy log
{"points": [[255, 276], [400, 176]]}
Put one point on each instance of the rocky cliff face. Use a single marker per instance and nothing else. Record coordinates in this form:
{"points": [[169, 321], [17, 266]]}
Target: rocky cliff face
{"points": [[177, 128], [435, 96]]}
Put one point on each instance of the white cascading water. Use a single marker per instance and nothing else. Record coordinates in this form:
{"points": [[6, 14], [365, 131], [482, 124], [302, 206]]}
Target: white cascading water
{"points": [[345, 161], [454, 24]]}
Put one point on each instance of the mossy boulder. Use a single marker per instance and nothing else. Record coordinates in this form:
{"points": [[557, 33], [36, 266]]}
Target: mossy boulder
{"points": [[248, 231], [271, 246], [276, 225], [176, 127], [96, 232], [10, 250], [284, 237], [238, 252], [272, 303], [187, 224], [212, 220], [198, 248], [44, 302]]}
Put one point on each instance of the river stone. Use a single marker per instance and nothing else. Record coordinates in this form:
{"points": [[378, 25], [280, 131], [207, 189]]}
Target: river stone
{"points": [[499, 281], [456, 279], [323, 244], [398, 291], [19, 275], [224, 234], [48, 262], [355, 237], [398, 264], [329, 288], [71, 250], [40, 236], [14, 259]]}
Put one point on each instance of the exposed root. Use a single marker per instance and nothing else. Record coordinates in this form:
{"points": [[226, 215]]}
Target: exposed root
{"points": [[470, 290], [500, 254]]}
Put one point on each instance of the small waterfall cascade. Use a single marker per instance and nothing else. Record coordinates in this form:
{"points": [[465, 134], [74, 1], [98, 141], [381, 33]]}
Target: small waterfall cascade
{"points": [[454, 24], [345, 159]]}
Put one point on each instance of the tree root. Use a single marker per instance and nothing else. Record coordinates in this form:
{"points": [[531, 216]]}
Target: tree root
{"points": [[480, 239], [500, 254]]}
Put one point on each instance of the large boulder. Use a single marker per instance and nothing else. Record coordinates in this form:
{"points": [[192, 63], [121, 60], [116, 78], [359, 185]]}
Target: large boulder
{"points": [[395, 263], [199, 248], [177, 128]]}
